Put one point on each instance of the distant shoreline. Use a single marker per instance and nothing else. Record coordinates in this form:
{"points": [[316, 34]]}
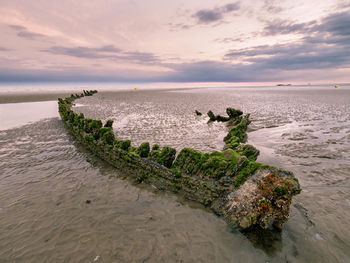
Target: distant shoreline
{"points": [[30, 97], [18, 97], [52, 95]]}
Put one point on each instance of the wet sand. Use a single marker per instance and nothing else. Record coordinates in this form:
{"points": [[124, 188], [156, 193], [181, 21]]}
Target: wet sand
{"points": [[46, 178]]}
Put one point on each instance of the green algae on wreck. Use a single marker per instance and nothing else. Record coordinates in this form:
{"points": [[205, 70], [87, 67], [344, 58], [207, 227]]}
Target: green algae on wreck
{"points": [[230, 182]]}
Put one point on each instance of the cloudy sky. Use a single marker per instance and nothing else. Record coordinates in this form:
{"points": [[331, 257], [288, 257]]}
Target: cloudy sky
{"points": [[175, 40]]}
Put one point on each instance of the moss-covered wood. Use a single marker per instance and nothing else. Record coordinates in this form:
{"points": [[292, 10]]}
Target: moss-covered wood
{"points": [[208, 178]]}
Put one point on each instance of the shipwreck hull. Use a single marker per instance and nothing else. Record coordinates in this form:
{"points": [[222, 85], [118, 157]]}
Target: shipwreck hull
{"points": [[231, 183]]}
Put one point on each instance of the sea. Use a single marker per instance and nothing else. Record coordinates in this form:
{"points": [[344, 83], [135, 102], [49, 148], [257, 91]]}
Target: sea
{"points": [[60, 203]]}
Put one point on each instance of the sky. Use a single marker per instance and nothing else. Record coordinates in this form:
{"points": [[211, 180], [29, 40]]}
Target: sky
{"points": [[175, 41]]}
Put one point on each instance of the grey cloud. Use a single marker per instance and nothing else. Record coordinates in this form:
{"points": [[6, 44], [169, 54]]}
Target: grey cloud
{"points": [[17, 28], [337, 24], [140, 56], [304, 57], [269, 63], [326, 44], [229, 39], [182, 72], [280, 27], [84, 52], [105, 52], [343, 5], [210, 71], [178, 26], [251, 52], [108, 48], [230, 7], [73, 74], [325, 47], [29, 35], [207, 16], [333, 40], [205, 71], [311, 53], [271, 6], [14, 75], [24, 33]]}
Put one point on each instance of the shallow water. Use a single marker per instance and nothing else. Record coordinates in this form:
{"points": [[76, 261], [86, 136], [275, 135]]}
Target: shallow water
{"points": [[46, 178], [18, 114]]}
